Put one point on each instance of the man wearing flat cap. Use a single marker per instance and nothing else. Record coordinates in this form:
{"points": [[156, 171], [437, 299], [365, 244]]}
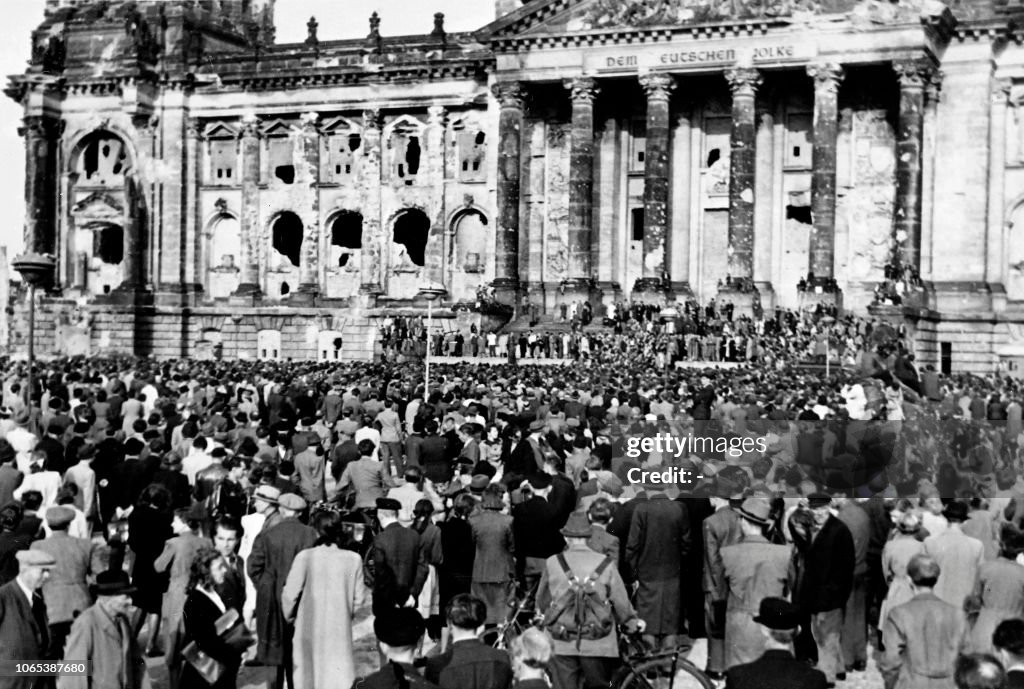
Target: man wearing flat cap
{"points": [[400, 565], [828, 564], [268, 565], [720, 529], [753, 570], [24, 629], [399, 632], [776, 668], [104, 637], [66, 591]]}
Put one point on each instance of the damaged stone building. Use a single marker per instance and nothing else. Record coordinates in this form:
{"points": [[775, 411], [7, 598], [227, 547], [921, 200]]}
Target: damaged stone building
{"points": [[210, 192]]}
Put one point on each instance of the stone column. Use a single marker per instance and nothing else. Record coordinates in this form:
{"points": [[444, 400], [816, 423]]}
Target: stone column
{"points": [[827, 78], [41, 134], [250, 221], [914, 76], [437, 270], [309, 176], [512, 99], [743, 82], [581, 186], [658, 88], [370, 266]]}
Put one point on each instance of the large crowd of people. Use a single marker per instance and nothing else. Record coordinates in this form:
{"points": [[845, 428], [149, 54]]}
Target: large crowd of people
{"points": [[221, 513]]}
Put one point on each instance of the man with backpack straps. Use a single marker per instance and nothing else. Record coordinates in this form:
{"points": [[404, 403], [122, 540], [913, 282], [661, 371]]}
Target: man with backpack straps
{"points": [[583, 598]]}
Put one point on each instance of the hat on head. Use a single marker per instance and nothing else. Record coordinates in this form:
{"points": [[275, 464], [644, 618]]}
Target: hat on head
{"points": [[388, 504], [650, 417], [269, 494], [300, 443], [609, 483], [490, 501], [113, 583], [778, 613], [956, 511], [572, 423], [291, 501], [539, 481], [400, 628], [59, 517], [86, 451], [479, 482], [536, 425], [756, 510], [819, 499], [36, 558], [577, 526]]}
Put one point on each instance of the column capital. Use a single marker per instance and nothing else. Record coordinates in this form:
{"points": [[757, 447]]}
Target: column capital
{"points": [[308, 121], [250, 127], [743, 81], [510, 94], [827, 76], [437, 115], [41, 126], [914, 74], [583, 90], [194, 129], [371, 118], [658, 86]]}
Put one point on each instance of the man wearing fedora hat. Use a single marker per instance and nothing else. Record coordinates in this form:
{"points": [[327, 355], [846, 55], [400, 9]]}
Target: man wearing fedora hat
{"points": [[776, 668], [752, 570], [959, 556], [103, 637], [24, 630], [720, 529]]}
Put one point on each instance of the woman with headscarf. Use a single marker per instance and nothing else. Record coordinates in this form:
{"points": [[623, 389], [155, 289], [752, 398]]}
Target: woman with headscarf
{"points": [[322, 596], [896, 555]]}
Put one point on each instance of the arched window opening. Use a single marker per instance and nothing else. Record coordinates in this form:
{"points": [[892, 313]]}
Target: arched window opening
{"points": [[225, 243], [411, 231], [471, 241], [471, 152], [287, 236], [714, 155], [285, 289], [405, 152], [104, 160], [110, 244], [347, 233]]}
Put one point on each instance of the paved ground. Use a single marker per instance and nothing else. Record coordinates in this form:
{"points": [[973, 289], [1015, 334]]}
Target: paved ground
{"points": [[367, 661]]}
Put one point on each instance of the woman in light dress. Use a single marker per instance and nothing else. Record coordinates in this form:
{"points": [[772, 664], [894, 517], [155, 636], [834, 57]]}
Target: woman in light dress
{"points": [[896, 555], [322, 596]]}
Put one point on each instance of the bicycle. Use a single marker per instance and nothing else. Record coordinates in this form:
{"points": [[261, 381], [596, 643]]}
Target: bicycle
{"points": [[662, 670], [520, 617]]}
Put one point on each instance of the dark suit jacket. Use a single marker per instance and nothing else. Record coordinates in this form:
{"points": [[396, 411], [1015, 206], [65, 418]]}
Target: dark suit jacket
{"points": [[827, 570], [54, 453], [492, 536], [470, 664], [232, 591], [533, 525], [775, 670], [22, 637], [562, 498], [1015, 679], [399, 567], [10, 544], [523, 461]]}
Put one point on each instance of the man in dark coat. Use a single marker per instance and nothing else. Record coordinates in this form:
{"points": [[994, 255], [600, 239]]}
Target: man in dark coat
{"points": [[535, 535], [399, 564], [721, 529], [469, 663], [269, 563], [826, 583], [776, 668], [619, 527], [226, 535], [659, 540], [855, 625], [24, 633], [526, 458]]}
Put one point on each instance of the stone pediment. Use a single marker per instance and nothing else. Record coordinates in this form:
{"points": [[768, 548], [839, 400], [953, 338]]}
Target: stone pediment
{"points": [[99, 206], [571, 16]]}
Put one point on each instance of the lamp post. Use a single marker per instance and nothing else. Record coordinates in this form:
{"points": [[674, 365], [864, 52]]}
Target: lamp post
{"points": [[432, 291], [35, 269]]}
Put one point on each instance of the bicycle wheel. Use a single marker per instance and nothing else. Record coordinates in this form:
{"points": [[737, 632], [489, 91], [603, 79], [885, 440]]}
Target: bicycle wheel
{"points": [[661, 673]]}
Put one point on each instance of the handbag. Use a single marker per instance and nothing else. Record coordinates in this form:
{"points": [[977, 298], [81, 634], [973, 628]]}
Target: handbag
{"points": [[229, 627]]}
